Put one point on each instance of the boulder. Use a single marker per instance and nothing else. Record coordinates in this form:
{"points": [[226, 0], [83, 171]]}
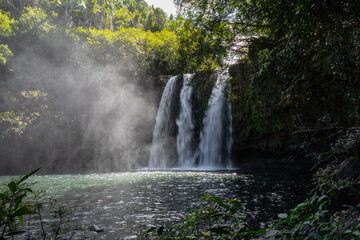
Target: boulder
{"points": [[95, 228]]}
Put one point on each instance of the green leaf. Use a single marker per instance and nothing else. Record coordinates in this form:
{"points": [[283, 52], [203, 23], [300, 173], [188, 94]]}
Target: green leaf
{"points": [[21, 220], [219, 230], [27, 190], [218, 201], [18, 200], [237, 221], [315, 235], [160, 231], [221, 203], [3, 213], [5, 197], [234, 208], [23, 211], [28, 175], [261, 231], [207, 196], [12, 186], [147, 232]]}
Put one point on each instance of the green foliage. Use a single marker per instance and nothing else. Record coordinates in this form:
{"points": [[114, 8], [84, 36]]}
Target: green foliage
{"points": [[161, 52], [197, 51], [50, 31], [299, 65], [301, 71], [14, 123], [5, 53], [123, 18], [6, 31], [13, 206], [5, 26], [340, 179], [152, 52], [99, 14], [156, 20], [34, 21], [20, 202], [218, 219], [214, 219], [296, 90], [94, 22], [15, 7], [312, 220], [255, 118]]}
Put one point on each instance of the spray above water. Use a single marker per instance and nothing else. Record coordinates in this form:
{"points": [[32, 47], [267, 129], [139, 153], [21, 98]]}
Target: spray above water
{"points": [[77, 113]]}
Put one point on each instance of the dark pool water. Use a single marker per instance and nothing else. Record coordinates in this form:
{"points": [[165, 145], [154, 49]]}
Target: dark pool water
{"points": [[126, 204]]}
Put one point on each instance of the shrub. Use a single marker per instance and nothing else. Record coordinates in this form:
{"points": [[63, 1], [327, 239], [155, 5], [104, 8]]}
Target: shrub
{"points": [[312, 219], [18, 199], [214, 219]]}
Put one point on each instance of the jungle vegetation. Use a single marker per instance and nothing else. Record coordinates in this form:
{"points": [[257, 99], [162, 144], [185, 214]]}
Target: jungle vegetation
{"points": [[300, 95], [295, 90], [301, 90]]}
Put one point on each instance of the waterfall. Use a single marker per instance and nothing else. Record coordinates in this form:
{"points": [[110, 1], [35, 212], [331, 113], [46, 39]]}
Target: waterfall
{"points": [[216, 135], [159, 153], [213, 151], [185, 126]]}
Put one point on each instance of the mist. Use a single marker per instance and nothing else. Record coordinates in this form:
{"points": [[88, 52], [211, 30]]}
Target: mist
{"points": [[89, 116]]}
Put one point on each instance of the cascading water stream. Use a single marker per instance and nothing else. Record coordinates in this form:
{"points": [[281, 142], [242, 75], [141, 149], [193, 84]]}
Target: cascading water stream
{"points": [[158, 151], [185, 126], [215, 144], [216, 136]]}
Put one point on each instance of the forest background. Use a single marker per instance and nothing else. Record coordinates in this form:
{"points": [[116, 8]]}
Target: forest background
{"points": [[66, 65]]}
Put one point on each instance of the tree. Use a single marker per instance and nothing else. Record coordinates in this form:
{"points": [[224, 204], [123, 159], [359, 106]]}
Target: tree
{"points": [[15, 7], [123, 18], [33, 21], [5, 33], [156, 19]]}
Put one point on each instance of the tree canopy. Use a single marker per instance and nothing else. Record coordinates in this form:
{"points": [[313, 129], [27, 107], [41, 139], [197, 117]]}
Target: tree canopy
{"points": [[100, 14]]}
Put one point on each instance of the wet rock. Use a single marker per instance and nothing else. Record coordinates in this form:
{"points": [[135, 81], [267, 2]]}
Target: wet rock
{"points": [[95, 228]]}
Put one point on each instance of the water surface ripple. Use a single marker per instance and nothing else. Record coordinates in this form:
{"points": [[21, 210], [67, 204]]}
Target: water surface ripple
{"points": [[125, 204]]}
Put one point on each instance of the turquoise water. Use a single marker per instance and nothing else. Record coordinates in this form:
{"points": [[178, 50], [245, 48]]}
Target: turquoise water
{"points": [[125, 204]]}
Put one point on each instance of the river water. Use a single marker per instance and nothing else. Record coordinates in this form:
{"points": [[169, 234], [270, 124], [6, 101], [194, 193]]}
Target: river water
{"points": [[127, 203]]}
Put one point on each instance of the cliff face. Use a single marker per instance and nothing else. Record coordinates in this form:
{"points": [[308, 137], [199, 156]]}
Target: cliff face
{"points": [[251, 132], [307, 122]]}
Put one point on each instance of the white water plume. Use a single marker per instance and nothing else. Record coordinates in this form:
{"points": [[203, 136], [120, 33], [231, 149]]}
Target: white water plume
{"points": [[158, 153], [185, 126], [215, 145], [216, 138]]}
